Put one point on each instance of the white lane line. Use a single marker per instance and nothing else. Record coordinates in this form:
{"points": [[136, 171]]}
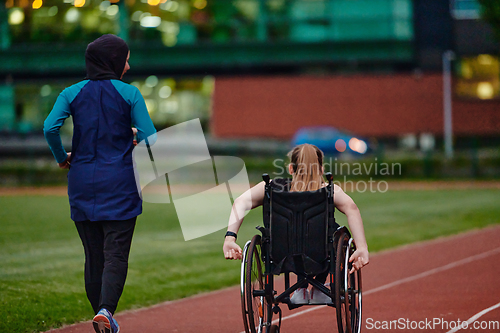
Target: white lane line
{"points": [[435, 270], [475, 317], [405, 280]]}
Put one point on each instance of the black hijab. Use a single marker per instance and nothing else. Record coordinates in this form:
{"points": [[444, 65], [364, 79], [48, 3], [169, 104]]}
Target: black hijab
{"points": [[105, 58]]}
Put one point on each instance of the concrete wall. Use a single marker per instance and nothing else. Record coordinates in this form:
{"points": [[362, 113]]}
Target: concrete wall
{"points": [[378, 106]]}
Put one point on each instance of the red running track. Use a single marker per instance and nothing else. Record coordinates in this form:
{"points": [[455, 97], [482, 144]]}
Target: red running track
{"points": [[432, 286]]}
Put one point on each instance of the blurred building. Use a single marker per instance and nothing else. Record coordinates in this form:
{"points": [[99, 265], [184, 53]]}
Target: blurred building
{"points": [[262, 68]]}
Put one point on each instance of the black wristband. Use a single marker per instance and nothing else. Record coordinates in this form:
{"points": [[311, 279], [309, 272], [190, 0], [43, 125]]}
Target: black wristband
{"points": [[230, 233]]}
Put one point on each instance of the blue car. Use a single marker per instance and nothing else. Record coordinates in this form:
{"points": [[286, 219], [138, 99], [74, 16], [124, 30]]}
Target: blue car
{"points": [[330, 140]]}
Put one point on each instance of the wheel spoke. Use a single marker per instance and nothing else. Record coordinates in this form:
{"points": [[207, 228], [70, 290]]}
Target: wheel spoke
{"points": [[256, 305], [347, 288]]}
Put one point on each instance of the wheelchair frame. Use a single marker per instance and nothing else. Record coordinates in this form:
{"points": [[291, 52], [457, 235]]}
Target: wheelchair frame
{"points": [[259, 299]]}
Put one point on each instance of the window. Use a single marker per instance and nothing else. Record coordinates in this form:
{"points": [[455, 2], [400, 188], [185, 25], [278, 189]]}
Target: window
{"points": [[479, 77], [465, 9]]}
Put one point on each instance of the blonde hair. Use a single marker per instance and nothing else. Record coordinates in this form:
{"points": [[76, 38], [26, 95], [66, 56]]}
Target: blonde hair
{"points": [[307, 163]]}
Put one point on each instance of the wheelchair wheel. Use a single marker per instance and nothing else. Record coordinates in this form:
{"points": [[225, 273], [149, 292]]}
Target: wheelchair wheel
{"points": [[347, 288], [252, 278]]}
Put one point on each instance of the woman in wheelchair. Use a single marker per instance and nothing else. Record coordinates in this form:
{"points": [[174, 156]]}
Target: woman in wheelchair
{"points": [[306, 168]]}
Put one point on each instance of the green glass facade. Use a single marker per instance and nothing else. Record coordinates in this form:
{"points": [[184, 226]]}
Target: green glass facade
{"points": [[42, 45], [194, 34], [180, 22]]}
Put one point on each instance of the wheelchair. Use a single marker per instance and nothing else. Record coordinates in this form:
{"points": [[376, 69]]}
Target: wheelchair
{"points": [[299, 236]]}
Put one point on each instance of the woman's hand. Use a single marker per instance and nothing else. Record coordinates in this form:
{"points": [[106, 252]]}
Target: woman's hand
{"points": [[231, 249], [134, 131], [66, 164], [359, 259]]}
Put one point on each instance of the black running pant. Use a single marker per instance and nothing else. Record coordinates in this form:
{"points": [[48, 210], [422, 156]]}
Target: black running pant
{"points": [[107, 247]]}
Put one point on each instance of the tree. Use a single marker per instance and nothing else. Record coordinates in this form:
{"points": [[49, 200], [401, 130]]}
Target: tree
{"points": [[490, 12]]}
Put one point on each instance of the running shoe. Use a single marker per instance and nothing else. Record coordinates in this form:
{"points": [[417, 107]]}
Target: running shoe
{"points": [[104, 322], [318, 297], [300, 296]]}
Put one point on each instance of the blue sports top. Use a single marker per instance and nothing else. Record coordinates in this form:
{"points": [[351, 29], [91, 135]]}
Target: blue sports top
{"points": [[101, 181]]}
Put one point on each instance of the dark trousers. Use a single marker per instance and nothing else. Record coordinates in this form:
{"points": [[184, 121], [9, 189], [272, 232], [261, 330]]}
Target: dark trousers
{"points": [[321, 278], [107, 247]]}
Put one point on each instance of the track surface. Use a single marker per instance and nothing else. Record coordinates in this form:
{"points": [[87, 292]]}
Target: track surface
{"points": [[432, 284]]}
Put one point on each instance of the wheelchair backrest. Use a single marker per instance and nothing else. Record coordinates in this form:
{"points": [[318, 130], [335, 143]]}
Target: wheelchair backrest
{"points": [[300, 225]]}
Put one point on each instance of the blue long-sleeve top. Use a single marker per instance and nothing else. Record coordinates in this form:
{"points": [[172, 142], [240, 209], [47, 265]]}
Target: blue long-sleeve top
{"points": [[101, 180], [62, 110]]}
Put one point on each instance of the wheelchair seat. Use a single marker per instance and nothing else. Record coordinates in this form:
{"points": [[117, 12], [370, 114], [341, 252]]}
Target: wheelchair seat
{"points": [[300, 225]]}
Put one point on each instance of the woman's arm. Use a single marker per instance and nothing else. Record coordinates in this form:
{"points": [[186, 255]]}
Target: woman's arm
{"points": [[346, 205], [51, 127], [55, 120], [249, 200], [144, 128], [141, 121]]}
